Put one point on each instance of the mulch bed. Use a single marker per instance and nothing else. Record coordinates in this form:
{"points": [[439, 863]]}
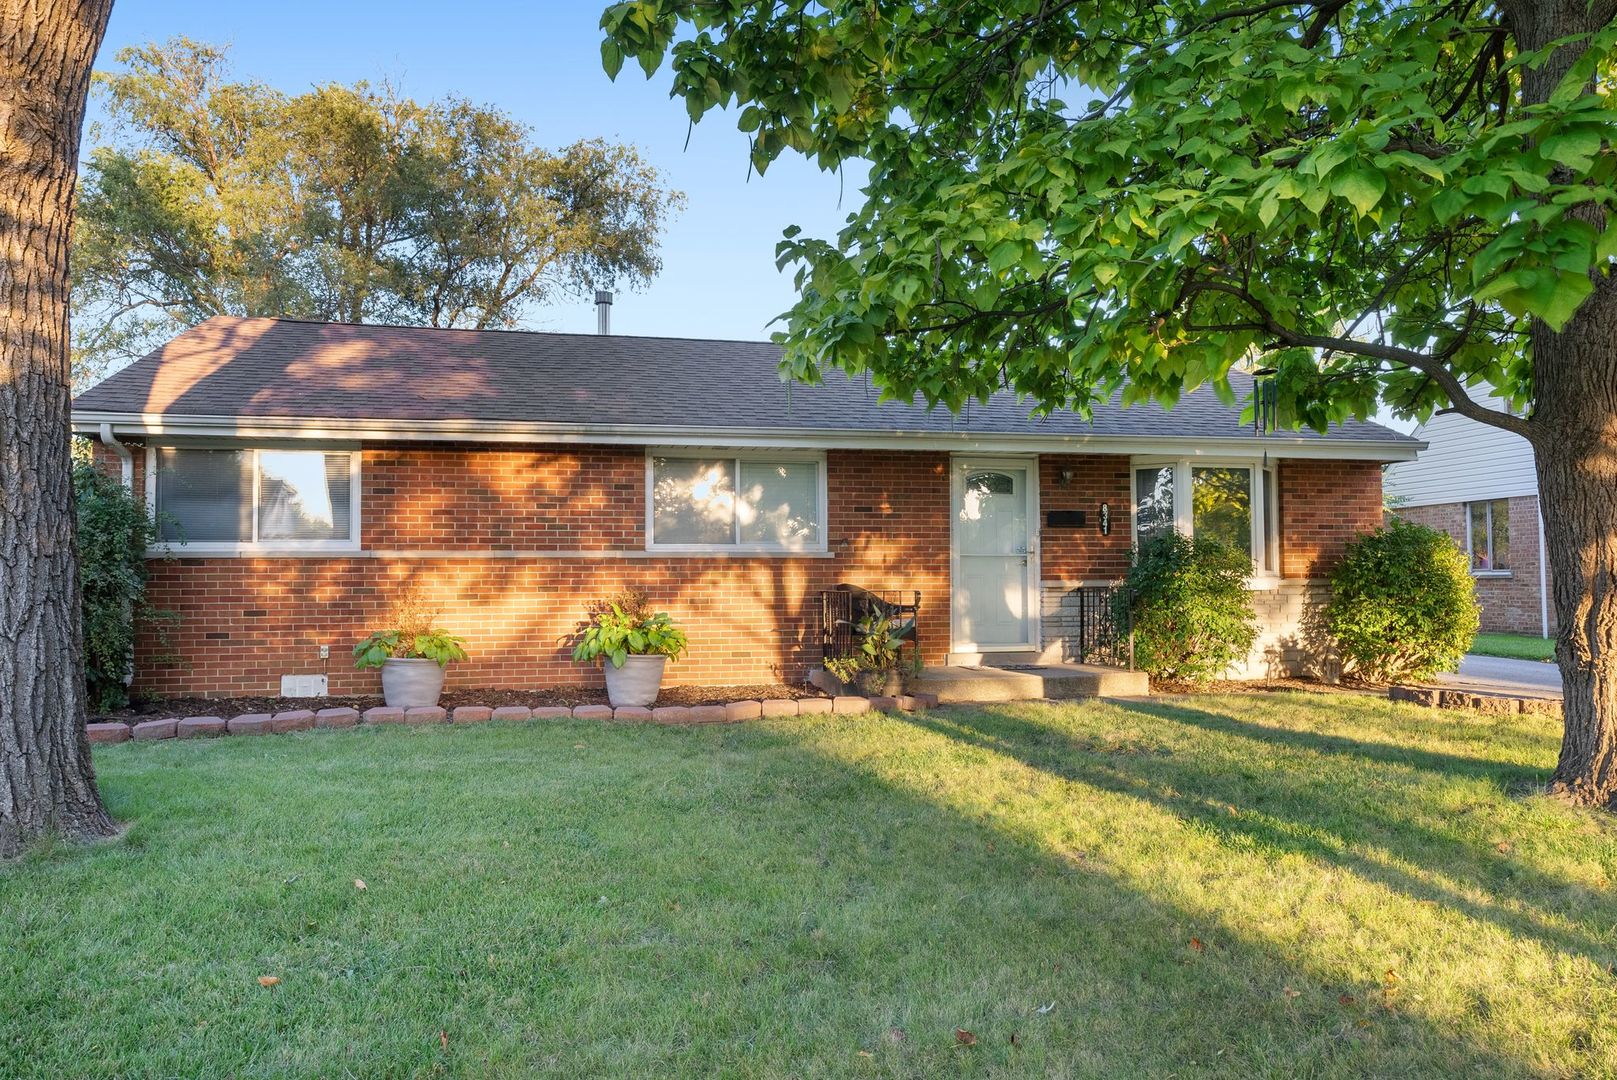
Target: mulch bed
{"points": [[162, 708]]}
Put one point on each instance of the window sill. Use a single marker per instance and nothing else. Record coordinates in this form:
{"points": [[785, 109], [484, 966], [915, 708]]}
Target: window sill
{"points": [[246, 551], [679, 551], [1492, 573]]}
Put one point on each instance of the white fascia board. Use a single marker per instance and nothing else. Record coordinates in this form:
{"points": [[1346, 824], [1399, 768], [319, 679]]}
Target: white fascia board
{"points": [[503, 431]]}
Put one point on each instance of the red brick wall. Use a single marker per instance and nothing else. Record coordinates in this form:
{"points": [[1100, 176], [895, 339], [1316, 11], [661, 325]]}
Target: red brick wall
{"points": [[1072, 555], [247, 621], [1323, 505], [462, 498], [1510, 603]]}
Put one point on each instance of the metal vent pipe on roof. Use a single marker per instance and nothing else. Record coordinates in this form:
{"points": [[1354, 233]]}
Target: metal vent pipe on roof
{"points": [[603, 311]]}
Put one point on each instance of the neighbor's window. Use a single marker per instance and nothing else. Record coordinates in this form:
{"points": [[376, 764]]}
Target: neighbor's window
{"points": [[227, 499], [1235, 504], [760, 503], [1488, 533]]}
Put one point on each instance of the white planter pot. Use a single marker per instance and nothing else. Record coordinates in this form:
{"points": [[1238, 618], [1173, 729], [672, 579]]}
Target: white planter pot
{"points": [[411, 683], [636, 682]]}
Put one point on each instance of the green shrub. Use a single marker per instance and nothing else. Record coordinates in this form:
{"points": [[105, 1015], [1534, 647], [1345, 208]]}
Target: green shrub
{"points": [[114, 533], [625, 625], [414, 634], [1190, 608], [1403, 604]]}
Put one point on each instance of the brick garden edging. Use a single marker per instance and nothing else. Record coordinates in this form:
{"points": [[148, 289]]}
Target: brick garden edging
{"points": [[1493, 704], [736, 712]]}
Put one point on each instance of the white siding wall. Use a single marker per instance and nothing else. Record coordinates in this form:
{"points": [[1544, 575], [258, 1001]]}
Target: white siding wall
{"points": [[1464, 462]]}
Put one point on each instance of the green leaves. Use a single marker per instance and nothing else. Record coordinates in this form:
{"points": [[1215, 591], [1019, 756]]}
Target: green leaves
{"points": [[1576, 149], [436, 645], [1551, 295], [625, 626], [347, 203], [1402, 603], [1228, 180], [1361, 187], [114, 532]]}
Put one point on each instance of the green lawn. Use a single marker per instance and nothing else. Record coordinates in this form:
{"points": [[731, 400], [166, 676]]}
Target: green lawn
{"points": [[1284, 885], [1515, 646]]}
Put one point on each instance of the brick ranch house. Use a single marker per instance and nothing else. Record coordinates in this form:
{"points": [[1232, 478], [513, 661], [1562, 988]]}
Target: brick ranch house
{"points": [[314, 470], [1478, 483]]}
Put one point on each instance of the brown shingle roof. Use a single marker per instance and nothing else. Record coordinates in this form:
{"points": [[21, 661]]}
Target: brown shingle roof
{"points": [[235, 367]]}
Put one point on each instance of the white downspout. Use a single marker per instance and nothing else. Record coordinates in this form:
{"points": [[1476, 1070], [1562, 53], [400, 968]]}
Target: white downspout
{"points": [[126, 460]]}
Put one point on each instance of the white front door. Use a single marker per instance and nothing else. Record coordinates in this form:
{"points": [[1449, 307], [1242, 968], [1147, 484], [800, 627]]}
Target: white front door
{"points": [[995, 508]]}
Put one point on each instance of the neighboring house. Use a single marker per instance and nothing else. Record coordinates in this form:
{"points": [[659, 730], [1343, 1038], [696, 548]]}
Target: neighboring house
{"points": [[314, 470], [1477, 483]]}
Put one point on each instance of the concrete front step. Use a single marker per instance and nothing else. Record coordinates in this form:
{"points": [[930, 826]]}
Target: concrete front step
{"points": [[958, 684]]}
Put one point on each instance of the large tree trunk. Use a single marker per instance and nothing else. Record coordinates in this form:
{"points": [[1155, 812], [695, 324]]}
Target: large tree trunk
{"points": [[1576, 417], [1575, 449], [46, 782]]}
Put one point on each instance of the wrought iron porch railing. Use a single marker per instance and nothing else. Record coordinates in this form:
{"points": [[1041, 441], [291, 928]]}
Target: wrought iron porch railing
{"points": [[1102, 632]]}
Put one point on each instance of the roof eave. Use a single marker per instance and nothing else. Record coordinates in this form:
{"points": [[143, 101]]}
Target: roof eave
{"points": [[90, 422]]}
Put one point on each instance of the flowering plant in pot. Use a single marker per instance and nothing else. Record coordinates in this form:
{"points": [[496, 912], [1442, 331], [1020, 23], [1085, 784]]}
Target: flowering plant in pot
{"points": [[412, 655], [632, 643]]}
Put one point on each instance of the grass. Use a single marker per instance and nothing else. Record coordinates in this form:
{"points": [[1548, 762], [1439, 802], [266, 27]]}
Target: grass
{"points": [[1286, 885], [1514, 646]]}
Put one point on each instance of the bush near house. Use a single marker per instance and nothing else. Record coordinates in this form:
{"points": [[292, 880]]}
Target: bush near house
{"points": [[113, 535], [1403, 604], [1188, 603]]}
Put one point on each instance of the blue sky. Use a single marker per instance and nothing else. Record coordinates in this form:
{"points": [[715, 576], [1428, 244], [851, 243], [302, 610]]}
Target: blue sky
{"points": [[541, 63]]}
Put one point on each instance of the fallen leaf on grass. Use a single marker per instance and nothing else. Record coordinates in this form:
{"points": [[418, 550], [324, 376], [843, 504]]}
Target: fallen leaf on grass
{"points": [[1346, 999], [359, 883], [268, 980], [1292, 995], [443, 1039], [1391, 978], [1503, 847], [964, 1037], [864, 1053], [1196, 943]]}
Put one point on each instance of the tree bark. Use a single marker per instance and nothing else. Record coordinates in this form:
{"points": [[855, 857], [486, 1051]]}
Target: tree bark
{"points": [[1574, 438], [47, 784], [1575, 414]]}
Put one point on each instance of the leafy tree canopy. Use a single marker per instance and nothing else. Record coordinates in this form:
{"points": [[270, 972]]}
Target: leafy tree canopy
{"points": [[212, 196], [1069, 197]]}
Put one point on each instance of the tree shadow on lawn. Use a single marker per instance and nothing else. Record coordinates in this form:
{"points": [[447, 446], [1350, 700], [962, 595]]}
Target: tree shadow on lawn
{"points": [[772, 900], [1382, 753], [1299, 811]]}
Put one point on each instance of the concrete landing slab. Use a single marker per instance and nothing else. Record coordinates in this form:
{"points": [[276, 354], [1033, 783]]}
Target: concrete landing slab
{"points": [[959, 684]]}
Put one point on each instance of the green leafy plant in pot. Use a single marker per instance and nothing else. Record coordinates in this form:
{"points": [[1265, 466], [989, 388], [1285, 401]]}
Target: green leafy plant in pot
{"points": [[873, 670], [412, 655], [632, 643]]}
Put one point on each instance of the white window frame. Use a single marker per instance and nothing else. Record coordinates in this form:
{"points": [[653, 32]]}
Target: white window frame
{"points": [[1263, 477], [818, 547], [256, 546], [1470, 552]]}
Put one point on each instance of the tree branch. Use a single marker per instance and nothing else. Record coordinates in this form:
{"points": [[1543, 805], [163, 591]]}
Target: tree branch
{"points": [[1433, 365]]}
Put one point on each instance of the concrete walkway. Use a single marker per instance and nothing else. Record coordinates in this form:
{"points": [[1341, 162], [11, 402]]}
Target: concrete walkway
{"points": [[1498, 674]]}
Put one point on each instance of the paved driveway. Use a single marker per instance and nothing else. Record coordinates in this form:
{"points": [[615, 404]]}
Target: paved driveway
{"points": [[1498, 673]]}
